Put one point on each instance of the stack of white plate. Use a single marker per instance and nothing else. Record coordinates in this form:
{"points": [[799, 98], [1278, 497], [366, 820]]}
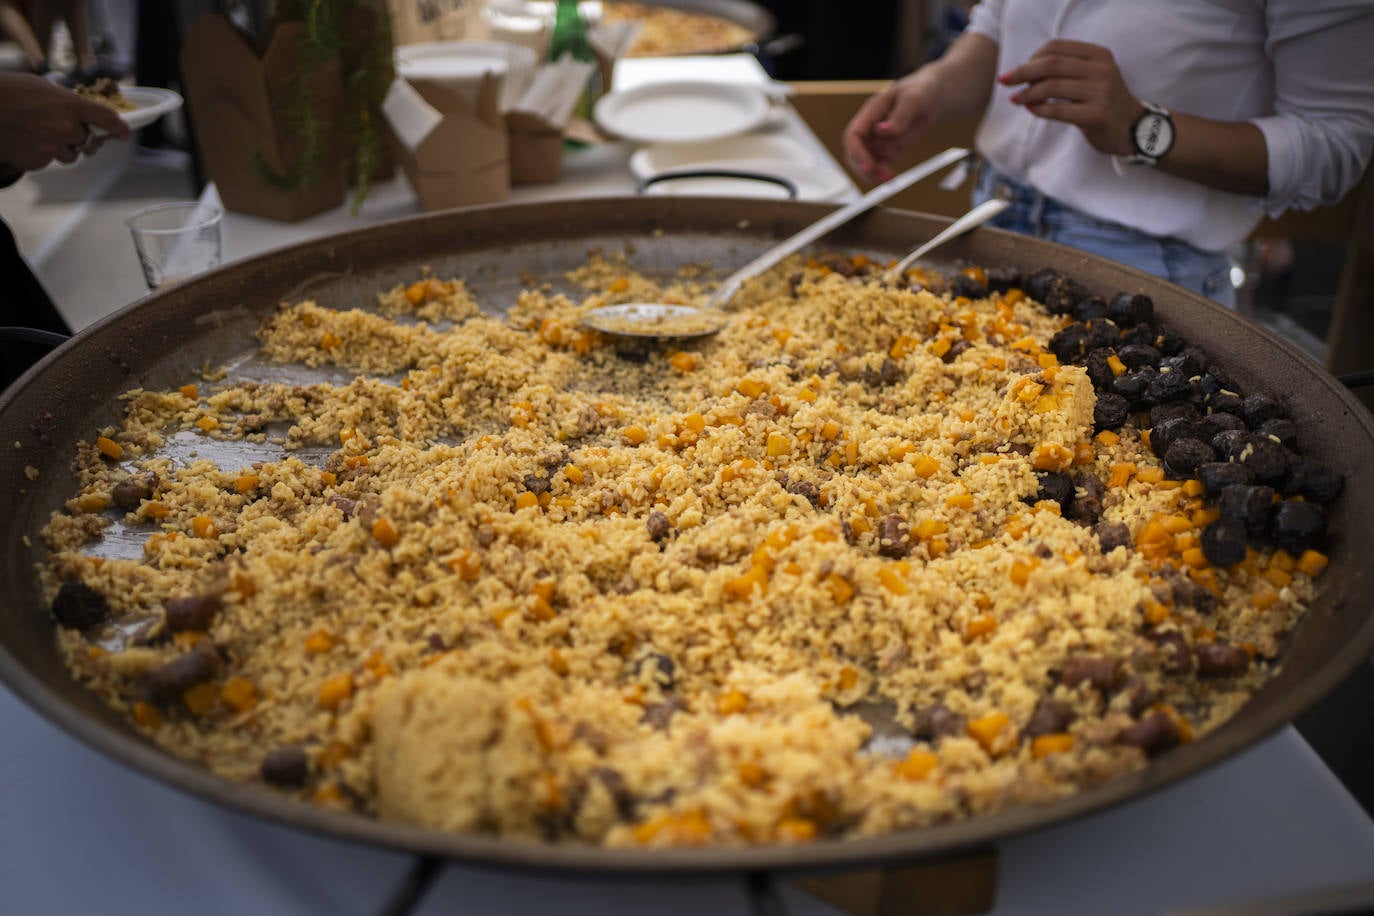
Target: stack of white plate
{"points": [[766, 154], [711, 125]]}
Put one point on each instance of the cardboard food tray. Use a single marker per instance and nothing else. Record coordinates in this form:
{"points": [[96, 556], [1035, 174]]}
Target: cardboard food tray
{"points": [[454, 153], [235, 92]]}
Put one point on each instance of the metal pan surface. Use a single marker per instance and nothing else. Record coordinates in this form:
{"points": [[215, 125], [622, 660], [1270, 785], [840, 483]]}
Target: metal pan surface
{"points": [[159, 341], [750, 16], [745, 13]]}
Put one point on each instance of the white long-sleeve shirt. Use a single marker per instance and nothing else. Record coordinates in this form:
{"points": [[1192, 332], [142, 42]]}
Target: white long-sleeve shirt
{"points": [[1302, 71]]}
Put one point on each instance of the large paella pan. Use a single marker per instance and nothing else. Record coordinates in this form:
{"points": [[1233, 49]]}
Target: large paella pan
{"points": [[210, 321]]}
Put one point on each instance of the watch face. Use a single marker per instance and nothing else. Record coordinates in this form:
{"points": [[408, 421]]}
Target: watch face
{"points": [[1154, 134]]}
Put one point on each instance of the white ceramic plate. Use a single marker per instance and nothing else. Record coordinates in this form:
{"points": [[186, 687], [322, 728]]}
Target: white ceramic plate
{"points": [[461, 64], [769, 154], [682, 112], [719, 186], [152, 104], [811, 181], [660, 157]]}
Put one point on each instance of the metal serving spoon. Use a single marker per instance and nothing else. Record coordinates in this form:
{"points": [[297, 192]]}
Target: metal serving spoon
{"points": [[664, 321], [973, 218]]}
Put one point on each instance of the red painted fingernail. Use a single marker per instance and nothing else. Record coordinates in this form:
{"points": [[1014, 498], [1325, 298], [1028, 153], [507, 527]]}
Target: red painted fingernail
{"points": [[1016, 97], [1004, 77]]}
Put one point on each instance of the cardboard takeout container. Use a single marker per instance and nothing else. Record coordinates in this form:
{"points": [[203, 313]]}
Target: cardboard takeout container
{"points": [[454, 152], [536, 149], [237, 95], [448, 140]]}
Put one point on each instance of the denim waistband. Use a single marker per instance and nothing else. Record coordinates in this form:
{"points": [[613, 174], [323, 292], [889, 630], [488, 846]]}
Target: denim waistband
{"points": [[1037, 214]]}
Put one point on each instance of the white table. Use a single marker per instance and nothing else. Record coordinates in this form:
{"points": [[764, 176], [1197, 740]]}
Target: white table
{"points": [[80, 834], [597, 171]]}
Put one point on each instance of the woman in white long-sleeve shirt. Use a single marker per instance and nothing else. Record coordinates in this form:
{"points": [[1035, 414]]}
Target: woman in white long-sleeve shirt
{"points": [[1157, 134]]}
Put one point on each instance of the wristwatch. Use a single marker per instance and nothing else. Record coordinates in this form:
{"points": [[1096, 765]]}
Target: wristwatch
{"points": [[1152, 135]]}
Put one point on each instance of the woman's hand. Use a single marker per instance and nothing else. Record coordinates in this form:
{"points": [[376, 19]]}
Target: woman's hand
{"points": [[957, 85], [40, 122], [889, 122], [1080, 84]]}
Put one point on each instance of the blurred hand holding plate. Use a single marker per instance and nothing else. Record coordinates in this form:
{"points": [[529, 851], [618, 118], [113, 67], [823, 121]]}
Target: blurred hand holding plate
{"points": [[150, 104]]}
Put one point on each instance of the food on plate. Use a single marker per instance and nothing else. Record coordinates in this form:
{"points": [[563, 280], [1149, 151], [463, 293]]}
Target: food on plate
{"points": [[503, 575], [106, 92], [666, 31]]}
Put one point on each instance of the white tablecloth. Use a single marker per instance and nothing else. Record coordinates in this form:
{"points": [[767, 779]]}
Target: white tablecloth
{"points": [[80, 834]]}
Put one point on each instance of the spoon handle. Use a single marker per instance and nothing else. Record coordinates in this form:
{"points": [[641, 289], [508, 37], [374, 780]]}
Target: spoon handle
{"points": [[975, 217], [731, 284]]}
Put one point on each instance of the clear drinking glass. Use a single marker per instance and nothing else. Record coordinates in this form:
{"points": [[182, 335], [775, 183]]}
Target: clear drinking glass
{"points": [[176, 241]]}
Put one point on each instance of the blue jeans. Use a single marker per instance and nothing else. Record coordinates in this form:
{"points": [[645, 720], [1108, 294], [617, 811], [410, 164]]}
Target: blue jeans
{"points": [[1032, 213]]}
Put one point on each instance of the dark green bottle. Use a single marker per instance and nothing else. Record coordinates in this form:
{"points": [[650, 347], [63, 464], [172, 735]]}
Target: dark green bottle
{"points": [[570, 37]]}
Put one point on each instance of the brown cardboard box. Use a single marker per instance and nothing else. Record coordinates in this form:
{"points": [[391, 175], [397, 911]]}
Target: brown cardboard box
{"points": [[542, 119], [236, 96], [536, 149], [455, 153]]}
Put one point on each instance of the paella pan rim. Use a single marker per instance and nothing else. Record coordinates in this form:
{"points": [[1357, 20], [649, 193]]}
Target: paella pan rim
{"points": [[756, 223]]}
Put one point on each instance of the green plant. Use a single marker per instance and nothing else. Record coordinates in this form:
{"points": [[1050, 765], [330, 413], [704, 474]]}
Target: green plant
{"points": [[366, 70]]}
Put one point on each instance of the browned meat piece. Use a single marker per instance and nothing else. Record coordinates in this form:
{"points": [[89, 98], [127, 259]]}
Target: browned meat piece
{"points": [[591, 736], [347, 507], [79, 606], [1087, 501], [195, 612], [660, 715], [1103, 674], [663, 670], [955, 351], [286, 767], [660, 528], [838, 263], [888, 373], [1176, 657], [614, 782], [165, 684], [132, 490], [1221, 660], [937, 721], [892, 537], [1154, 734], [1049, 717], [1140, 695], [1112, 535], [806, 490]]}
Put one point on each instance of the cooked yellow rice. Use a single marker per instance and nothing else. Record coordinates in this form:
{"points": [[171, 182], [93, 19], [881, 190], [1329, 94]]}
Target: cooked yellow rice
{"points": [[491, 639]]}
